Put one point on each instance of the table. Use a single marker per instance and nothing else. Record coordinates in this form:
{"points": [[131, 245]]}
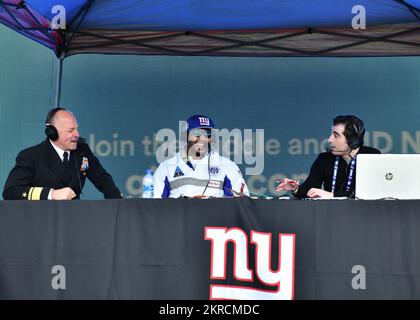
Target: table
{"points": [[156, 249]]}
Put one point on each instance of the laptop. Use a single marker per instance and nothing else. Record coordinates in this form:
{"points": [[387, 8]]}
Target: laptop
{"points": [[388, 176]]}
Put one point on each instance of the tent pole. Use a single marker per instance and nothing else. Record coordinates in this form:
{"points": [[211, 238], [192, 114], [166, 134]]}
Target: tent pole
{"points": [[59, 80]]}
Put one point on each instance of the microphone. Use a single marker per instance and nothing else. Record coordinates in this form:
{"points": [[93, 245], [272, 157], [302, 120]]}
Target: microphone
{"points": [[81, 140]]}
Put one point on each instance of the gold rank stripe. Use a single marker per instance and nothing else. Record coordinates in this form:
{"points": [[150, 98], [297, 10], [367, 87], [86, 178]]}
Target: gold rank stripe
{"points": [[35, 193], [30, 193]]}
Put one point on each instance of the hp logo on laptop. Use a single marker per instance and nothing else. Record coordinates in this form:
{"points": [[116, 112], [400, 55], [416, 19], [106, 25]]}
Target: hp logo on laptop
{"points": [[389, 176]]}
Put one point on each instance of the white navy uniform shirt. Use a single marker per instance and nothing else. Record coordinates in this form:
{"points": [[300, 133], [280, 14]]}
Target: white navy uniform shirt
{"points": [[174, 177]]}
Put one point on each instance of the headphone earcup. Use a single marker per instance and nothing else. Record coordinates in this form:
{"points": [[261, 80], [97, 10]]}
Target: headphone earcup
{"points": [[356, 141], [51, 132]]}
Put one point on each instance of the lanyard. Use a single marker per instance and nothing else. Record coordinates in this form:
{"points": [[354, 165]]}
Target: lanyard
{"points": [[350, 177]]}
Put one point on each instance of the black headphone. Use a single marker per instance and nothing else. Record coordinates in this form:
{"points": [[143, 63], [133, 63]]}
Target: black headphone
{"points": [[356, 133], [354, 130], [50, 130]]}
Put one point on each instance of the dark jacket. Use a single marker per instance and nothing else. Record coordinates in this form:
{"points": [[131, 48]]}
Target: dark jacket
{"points": [[321, 174], [39, 169]]}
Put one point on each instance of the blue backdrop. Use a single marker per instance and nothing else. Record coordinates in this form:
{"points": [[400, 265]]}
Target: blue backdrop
{"points": [[122, 101]]}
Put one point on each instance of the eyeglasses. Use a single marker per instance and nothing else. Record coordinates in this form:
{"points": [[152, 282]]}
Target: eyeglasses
{"points": [[201, 132]]}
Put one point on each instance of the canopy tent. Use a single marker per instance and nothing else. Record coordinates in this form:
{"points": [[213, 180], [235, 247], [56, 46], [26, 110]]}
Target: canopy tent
{"points": [[219, 27]]}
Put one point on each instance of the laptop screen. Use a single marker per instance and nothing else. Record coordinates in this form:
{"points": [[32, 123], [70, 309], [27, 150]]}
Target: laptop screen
{"points": [[382, 176]]}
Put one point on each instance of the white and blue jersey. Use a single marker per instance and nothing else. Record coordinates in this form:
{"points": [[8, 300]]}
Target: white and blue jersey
{"points": [[175, 177]]}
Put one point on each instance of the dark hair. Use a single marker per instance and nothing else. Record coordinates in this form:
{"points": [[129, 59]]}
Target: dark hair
{"points": [[354, 129]]}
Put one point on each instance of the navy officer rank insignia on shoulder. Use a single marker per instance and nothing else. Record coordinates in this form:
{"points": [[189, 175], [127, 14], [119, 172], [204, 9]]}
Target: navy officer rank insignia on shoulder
{"points": [[178, 172], [85, 165]]}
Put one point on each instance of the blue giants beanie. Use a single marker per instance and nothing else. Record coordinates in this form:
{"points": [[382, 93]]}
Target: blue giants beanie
{"points": [[199, 121]]}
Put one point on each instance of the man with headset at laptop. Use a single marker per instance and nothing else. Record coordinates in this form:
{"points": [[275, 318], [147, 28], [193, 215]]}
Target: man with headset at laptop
{"points": [[56, 169], [334, 170]]}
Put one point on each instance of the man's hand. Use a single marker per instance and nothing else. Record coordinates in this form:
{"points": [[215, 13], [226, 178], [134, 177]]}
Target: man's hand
{"points": [[287, 185], [63, 194], [319, 193]]}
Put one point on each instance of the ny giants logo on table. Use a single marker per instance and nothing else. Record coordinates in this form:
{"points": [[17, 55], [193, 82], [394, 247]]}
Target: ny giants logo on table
{"points": [[281, 280]]}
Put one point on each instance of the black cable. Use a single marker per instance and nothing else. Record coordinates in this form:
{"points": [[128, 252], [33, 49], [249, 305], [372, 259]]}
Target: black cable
{"points": [[386, 198], [350, 197], [345, 180], [78, 175], [347, 174], [208, 170]]}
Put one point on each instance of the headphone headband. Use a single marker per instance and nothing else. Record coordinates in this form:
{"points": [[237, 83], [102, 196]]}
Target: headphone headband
{"points": [[51, 114]]}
